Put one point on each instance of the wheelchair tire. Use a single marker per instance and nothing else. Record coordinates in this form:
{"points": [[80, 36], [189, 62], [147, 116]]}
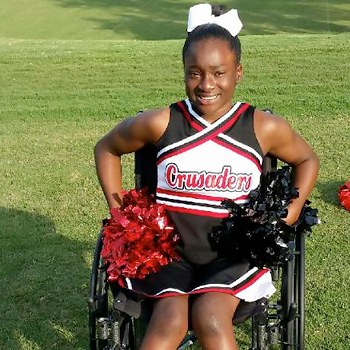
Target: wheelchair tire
{"points": [[293, 299]]}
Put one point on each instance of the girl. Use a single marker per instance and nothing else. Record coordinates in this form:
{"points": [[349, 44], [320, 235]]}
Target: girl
{"points": [[208, 149]]}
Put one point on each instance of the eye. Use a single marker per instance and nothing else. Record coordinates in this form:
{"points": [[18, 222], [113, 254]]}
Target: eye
{"points": [[219, 73], [193, 74]]}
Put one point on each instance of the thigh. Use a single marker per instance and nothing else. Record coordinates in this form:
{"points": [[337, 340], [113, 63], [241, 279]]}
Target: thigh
{"points": [[169, 313], [211, 317], [215, 304], [168, 324], [175, 305]]}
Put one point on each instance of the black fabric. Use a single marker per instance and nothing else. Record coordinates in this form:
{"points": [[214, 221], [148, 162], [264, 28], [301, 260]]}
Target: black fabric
{"points": [[146, 168], [183, 276], [194, 229], [179, 128]]}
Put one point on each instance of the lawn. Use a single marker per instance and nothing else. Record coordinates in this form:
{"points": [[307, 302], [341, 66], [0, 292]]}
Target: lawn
{"points": [[67, 76], [161, 19], [59, 97]]}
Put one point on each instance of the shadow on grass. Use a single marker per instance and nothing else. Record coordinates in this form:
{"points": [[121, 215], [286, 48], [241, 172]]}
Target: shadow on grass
{"points": [[329, 191], [166, 19], [44, 279]]}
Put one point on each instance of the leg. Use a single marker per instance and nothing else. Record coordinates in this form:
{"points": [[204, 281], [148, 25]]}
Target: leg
{"points": [[211, 316], [168, 325]]}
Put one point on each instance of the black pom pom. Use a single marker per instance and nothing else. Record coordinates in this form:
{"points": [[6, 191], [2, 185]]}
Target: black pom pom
{"points": [[257, 232]]}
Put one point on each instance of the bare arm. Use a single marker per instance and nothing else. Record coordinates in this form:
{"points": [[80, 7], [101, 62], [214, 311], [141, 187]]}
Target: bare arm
{"points": [[278, 139], [128, 136]]}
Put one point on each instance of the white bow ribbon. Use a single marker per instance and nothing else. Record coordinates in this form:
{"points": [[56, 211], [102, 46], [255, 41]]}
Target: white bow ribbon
{"points": [[202, 14]]}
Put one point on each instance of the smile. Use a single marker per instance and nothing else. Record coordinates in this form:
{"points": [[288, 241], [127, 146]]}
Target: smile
{"points": [[207, 98]]}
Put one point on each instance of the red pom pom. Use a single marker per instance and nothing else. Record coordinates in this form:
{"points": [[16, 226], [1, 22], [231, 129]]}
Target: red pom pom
{"points": [[139, 238], [344, 195]]}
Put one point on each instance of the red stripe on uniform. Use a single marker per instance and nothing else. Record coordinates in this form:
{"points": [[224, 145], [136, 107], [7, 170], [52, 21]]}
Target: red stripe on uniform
{"points": [[213, 289], [245, 196], [200, 196], [229, 124], [191, 195], [188, 117], [210, 136], [196, 212], [238, 151], [254, 279], [167, 294], [207, 290]]}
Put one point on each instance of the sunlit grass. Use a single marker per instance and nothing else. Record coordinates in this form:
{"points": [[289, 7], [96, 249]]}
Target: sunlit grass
{"points": [[161, 19], [57, 98]]}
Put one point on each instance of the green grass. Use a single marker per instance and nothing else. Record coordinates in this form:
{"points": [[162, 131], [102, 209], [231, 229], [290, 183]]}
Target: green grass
{"points": [[161, 19], [57, 98]]}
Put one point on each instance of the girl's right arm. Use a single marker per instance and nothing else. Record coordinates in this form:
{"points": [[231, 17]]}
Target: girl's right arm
{"points": [[128, 136]]}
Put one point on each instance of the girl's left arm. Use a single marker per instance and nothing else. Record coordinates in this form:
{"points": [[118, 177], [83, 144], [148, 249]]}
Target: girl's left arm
{"points": [[277, 138]]}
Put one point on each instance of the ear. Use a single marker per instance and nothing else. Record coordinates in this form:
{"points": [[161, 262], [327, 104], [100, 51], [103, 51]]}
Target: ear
{"points": [[239, 73]]}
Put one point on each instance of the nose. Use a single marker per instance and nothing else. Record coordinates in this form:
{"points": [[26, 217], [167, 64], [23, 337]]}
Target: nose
{"points": [[207, 82]]}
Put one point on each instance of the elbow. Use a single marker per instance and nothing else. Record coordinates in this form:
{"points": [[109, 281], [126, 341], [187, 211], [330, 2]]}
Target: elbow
{"points": [[98, 149], [309, 165], [315, 161], [104, 150]]}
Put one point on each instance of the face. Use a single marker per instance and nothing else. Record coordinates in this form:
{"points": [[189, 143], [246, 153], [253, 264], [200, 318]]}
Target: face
{"points": [[211, 75]]}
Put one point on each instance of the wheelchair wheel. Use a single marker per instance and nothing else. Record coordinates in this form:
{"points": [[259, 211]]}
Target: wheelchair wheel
{"points": [[293, 299], [98, 300], [108, 329], [115, 332]]}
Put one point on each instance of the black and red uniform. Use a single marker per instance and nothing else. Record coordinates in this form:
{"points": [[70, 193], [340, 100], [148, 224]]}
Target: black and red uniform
{"points": [[199, 164]]}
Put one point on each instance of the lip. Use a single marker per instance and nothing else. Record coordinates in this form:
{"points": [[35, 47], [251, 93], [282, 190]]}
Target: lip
{"points": [[207, 99]]}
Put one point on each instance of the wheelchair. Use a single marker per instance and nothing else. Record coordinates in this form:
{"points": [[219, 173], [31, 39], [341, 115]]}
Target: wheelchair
{"points": [[278, 325]]}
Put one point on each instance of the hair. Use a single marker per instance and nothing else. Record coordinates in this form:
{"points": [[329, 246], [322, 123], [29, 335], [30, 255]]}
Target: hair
{"points": [[213, 31]]}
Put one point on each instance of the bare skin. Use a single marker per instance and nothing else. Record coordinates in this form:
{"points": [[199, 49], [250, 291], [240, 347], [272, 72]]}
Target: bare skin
{"points": [[211, 316], [211, 75], [168, 325]]}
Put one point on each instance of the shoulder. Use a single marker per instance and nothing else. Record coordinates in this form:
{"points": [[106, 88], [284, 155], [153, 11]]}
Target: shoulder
{"points": [[271, 130], [268, 122], [150, 125]]}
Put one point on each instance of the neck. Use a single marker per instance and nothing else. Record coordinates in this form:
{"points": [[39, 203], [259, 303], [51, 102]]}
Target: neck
{"points": [[211, 118]]}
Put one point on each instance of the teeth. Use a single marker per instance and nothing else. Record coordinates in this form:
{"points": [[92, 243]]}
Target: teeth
{"points": [[208, 97]]}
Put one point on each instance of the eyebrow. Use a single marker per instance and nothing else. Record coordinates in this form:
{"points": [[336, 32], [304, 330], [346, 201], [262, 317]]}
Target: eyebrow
{"points": [[211, 67]]}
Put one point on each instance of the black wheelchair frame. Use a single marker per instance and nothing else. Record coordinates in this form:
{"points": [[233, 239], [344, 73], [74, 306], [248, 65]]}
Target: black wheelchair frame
{"points": [[279, 326]]}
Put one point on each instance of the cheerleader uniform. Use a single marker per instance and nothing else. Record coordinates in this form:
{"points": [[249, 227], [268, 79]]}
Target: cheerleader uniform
{"points": [[200, 164]]}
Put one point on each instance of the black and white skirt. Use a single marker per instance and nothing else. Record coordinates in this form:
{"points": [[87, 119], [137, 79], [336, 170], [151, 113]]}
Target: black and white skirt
{"points": [[222, 275]]}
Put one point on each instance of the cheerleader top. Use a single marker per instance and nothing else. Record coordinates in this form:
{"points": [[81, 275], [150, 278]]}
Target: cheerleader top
{"points": [[200, 164]]}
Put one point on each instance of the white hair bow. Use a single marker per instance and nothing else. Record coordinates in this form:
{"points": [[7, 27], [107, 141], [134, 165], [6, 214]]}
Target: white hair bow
{"points": [[202, 14]]}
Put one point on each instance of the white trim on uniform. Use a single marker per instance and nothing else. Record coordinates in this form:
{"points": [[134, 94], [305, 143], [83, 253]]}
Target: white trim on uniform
{"points": [[223, 136], [261, 288], [193, 207], [200, 133], [241, 145], [128, 283], [231, 285], [190, 199]]}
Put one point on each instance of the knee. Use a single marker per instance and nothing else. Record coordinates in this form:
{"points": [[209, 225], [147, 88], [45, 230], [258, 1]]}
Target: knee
{"points": [[212, 316], [206, 322], [170, 320]]}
